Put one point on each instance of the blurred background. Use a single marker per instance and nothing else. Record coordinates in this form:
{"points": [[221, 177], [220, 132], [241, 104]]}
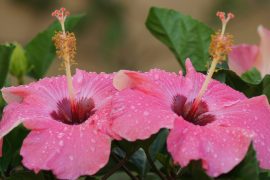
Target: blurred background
{"points": [[114, 35]]}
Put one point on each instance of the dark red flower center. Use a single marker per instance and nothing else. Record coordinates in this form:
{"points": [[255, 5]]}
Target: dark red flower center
{"points": [[75, 113], [195, 114]]}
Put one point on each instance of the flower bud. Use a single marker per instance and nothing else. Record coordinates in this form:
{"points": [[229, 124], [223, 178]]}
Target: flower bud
{"points": [[18, 62]]}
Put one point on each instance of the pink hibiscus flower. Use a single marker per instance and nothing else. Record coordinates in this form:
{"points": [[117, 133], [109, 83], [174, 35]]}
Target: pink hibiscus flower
{"points": [[245, 57], [69, 118], [218, 132], [70, 142]]}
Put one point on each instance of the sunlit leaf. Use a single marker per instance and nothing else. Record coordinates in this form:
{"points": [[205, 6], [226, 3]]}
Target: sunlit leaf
{"points": [[183, 35]]}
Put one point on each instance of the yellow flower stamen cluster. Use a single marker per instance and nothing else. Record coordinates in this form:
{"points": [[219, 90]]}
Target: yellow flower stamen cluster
{"points": [[220, 46], [65, 46]]}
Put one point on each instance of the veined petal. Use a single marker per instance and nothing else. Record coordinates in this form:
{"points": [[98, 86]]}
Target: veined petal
{"points": [[219, 148], [217, 95], [51, 89], [92, 85]]}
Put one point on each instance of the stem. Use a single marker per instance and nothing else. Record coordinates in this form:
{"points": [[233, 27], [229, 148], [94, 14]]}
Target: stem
{"points": [[206, 82], [158, 172], [125, 168], [115, 168]]}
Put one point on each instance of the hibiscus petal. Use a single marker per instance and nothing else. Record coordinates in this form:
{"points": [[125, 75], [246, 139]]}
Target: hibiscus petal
{"points": [[16, 94], [122, 81], [217, 95], [10, 120], [15, 114], [243, 58], [170, 84], [50, 89], [263, 62], [254, 115], [69, 151], [137, 115], [92, 85], [219, 148], [136, 80], [156, 82]]}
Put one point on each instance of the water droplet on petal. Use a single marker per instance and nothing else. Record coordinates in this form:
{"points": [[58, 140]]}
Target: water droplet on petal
{"points": [[93, 140], [146, 113], [93, 149], [61, 143], [60, 135], [71, 158]]}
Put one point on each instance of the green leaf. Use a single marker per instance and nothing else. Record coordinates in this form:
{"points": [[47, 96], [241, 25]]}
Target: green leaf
{"points": [[119, 175], [248, 88], [5, 54], [194, 171], [252, 76], [264, 175], [138, 161], [184, 36], [266, 86], [40, 51], [246, 170], [2, 104], [159, 143], [12, 143], [26, 175]]}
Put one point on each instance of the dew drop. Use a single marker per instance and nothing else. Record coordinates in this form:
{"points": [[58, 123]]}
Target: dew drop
{"points": [[145, 113], [156, 77], [93, 140], [71, 158], [61, 143], [60, 135], [93, 149]]}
